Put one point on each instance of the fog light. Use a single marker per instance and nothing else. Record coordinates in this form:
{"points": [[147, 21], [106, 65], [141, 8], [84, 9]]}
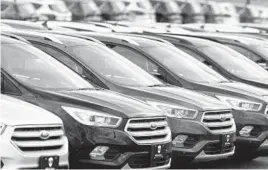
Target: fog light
{"points": [[245, 131], [98, 153], [179, 141]]}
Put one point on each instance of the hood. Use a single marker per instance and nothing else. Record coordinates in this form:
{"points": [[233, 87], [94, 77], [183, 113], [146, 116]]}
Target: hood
{"points": [[16, 112], [244, 89], [110, 102], [186, 98]]}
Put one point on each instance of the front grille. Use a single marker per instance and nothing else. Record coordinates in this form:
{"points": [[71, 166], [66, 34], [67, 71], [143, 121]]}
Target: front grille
{"points": [[29, 139], [219, 122], [216, 148], [148, 130]]}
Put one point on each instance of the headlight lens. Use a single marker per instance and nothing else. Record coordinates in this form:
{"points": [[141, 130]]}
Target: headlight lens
{"points": [[240, 104], [93, 118], [175, 111], [2, 128]]}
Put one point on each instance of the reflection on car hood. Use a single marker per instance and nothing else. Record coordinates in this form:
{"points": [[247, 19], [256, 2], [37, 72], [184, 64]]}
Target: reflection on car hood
{"points": [[187, 97], [129, 107], [244, 88]]}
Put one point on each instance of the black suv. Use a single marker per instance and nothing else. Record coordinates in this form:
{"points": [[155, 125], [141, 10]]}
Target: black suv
{"points": [[193, 136], [166, 62], [229, 63], [105, 129], [251, 46]]}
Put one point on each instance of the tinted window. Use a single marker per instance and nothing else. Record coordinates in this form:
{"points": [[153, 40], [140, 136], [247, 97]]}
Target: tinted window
{"points": [[136, 58], [8, 88], [184, 65], [62, 57], [245, 52], [113, 66], [234, 62], [35, 68]]}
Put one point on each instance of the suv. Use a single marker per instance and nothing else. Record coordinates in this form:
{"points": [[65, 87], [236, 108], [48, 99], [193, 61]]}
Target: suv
{"points": [[18, 10], [192, 136], [38, 142], [171, 65], [251, 46], [105, 129], [224, 60]]}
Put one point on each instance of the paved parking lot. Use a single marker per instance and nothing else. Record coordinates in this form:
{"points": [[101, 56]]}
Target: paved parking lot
{"points": [[259, 163]]}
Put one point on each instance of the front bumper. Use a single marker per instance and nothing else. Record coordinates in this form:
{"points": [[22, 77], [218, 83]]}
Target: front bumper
{"points": [[122, 152], [13, 158], [258, 136], [152, 168], [203, 146]]}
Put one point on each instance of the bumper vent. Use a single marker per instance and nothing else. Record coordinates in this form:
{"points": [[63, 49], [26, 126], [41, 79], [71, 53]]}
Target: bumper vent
{"points": [[216, 148], [219, 122], [39, 139], [148, 130]]}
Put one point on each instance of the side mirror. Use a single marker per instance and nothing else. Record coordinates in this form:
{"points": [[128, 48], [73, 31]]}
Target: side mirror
{"points": [[157, 75], [263, 65]]}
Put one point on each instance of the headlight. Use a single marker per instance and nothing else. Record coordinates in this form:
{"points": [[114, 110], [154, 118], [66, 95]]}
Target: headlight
{"points": [[240, 104], [93, 118], [2, 128], [175, 111]]}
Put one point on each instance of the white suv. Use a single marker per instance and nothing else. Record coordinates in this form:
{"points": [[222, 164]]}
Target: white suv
{"points": [[31, 137]]}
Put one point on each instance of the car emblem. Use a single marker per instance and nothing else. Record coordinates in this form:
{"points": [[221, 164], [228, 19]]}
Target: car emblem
{"points": [[223, 118], [159, 149], [44, 134], [153, 126], [50, 162]]}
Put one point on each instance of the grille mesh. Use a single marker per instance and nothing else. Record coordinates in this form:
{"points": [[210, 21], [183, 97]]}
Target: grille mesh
{"points": [[218, 121], [29, 139], [149, 130]]}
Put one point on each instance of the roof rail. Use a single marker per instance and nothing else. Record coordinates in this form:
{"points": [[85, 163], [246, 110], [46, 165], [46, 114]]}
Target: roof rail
{"points": [[80, 36], [15, 37]]}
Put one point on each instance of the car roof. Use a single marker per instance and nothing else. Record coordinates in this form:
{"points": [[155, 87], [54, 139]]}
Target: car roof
{"points": [[23, 24], [125, 39], [60, 39], [10, 40]]}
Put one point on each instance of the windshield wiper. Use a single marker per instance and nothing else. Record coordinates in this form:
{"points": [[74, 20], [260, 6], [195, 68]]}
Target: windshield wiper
{"points": [[159, 85]]}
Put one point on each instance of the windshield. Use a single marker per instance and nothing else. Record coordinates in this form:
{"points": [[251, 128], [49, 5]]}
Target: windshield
{"points": [[113, 66], [35, 68], [184, 65], [27, 9], [235, 63]]}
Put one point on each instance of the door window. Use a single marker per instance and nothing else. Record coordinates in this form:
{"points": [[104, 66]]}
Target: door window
{"points": [[140, 60]]}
